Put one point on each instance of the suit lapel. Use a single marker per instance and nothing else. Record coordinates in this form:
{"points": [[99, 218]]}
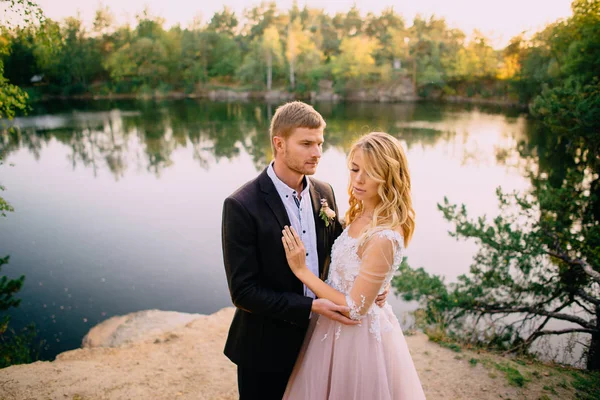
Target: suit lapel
{"points": [[273, 200], [276, 205], [315, 197]]}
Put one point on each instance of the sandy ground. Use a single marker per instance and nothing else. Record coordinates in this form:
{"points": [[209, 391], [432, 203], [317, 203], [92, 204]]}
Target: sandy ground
{"points": [[185, 361]]}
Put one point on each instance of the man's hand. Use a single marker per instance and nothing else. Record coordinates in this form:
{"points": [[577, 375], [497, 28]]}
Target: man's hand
{"points": [[380, 300], [332, 311]]}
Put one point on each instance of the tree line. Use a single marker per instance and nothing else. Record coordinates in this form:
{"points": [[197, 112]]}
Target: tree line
{"points": [[267, 48]]}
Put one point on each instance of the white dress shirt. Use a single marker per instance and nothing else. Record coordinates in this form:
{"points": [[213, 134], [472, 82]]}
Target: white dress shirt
{"points": [[300, 213]]}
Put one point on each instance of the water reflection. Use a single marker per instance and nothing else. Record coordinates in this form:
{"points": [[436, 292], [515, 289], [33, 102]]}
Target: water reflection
{"points": [[145, 135]]}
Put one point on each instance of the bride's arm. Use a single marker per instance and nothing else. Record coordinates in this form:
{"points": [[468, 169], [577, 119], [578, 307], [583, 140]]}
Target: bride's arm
{"points": [[377, 260]]}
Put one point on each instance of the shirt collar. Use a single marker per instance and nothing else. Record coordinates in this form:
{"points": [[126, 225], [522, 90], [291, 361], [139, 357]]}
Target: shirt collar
{"points": [[282, 186]]}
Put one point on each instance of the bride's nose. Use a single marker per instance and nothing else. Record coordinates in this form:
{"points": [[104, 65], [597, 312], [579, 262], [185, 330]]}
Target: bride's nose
{"points": [[359, 178]]}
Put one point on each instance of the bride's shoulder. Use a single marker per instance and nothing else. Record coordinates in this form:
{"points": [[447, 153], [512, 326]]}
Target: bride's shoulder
{"points": [[392, 235]]}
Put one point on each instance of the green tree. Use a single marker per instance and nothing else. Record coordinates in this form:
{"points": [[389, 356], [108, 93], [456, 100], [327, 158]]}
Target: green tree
{"points": [[145, 58], [387, 29], [12, 98], [15, 348], [539, 260], [194, 58], [223, 22], [355, 61], [272, 51], [294, 35]]}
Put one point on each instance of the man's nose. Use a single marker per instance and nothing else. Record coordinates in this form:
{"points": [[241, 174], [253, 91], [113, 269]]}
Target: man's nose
{"points": [[317, 151]]}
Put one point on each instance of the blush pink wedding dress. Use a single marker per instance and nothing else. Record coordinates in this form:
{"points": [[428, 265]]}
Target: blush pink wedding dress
{"points": [[370, 361]]}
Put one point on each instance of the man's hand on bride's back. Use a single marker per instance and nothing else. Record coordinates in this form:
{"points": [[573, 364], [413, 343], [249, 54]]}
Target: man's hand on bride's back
{"points": [[381, 299], [329, 309]]}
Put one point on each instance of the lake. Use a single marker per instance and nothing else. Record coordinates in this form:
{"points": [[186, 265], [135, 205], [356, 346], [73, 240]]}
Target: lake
{"points": [[118, 204]]}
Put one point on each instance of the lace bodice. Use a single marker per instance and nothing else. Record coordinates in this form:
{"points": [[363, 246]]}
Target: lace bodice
{"points": [[361, 279]]}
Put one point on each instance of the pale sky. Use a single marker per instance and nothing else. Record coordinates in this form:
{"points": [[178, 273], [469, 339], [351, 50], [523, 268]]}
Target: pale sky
{"points": [[497, 19]]}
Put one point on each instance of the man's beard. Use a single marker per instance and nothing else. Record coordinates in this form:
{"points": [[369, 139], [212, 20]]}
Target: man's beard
{"points": [[300, 166]]}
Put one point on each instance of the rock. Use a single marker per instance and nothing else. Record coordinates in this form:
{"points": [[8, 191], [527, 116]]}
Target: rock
{"points": [[278, 95], [228, 95], [137, 326]]}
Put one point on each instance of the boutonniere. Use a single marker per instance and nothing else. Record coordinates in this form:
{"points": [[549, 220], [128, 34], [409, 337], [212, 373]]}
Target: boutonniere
{"points": [[326, 213]]}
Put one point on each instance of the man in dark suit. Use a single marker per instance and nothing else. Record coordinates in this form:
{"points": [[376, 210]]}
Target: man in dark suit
{"points": [[274, 307]]}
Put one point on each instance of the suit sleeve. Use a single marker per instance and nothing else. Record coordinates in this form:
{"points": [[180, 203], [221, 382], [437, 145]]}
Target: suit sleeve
{"points": [[338, 227], [243, 272]]}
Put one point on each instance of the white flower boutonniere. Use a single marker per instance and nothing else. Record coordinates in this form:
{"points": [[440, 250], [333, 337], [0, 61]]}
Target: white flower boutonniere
{"points": [[326, 213]]}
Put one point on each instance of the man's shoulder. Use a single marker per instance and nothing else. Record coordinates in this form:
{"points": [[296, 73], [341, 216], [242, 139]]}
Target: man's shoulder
{"points": [[321, 186], [245, 192]]}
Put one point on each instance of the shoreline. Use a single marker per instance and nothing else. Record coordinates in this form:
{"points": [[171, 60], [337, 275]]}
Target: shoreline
{"points": [[278, 96]]}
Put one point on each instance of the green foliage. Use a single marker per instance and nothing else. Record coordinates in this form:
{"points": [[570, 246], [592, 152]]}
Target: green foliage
{"points": [[539, 259], [15, 347], [18, 347], [587, 384], [223, 22], [513, 375], [296, 50], [12, 98], [355, 62]]}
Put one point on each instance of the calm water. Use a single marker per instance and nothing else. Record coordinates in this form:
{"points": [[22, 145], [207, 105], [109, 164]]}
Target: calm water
{"points": [[118, 205]]}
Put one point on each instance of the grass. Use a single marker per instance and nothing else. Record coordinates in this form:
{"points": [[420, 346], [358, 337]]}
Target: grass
{"points": [[513, 375], [550, 389], [587, 384], [539, 379]]}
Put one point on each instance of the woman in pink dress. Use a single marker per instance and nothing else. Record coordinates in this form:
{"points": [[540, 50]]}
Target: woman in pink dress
{"points": [[370, 360]]}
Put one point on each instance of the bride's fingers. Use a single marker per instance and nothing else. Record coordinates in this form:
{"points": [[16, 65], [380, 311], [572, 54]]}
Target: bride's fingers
{"points": [[293, 236], [288, 235], [296, 237], [288, 238], [286, 246]]}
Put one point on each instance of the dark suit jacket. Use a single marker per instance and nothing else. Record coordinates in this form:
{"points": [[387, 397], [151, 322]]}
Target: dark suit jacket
{"points": [[272, 313]]}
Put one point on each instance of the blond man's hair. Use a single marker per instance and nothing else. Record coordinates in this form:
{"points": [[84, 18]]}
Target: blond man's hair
{"points": [[290, 116]]}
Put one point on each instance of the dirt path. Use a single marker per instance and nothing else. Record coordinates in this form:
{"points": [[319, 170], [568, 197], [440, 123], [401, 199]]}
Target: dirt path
{"points": [[188, 363]]}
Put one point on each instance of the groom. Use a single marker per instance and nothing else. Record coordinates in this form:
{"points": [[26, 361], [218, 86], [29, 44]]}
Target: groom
{"points": [[273, 307]]}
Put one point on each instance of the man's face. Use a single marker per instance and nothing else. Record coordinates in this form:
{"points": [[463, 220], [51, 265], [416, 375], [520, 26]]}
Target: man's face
{"points": [[302, 150]]}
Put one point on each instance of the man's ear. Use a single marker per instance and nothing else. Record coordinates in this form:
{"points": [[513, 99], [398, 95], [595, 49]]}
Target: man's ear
{"points": [[278, 143]]}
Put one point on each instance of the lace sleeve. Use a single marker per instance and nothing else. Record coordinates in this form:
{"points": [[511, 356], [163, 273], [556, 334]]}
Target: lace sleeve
{"points": [[376, 262]]}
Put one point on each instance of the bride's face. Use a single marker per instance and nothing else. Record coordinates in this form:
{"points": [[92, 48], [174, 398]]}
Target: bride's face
{"points": [[364, 187]]}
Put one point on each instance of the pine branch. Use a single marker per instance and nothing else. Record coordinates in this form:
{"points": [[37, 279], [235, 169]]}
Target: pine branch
{"points": [[539, 333], [581, 293], [564, 331], [580, 304], [587, 268], [565, 317]]}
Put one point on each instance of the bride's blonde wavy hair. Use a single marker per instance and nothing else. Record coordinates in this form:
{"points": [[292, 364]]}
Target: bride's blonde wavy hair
{"points": [[386, 163]]}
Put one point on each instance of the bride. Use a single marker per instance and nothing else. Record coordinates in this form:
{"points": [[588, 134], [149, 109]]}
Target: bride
{"points": [[370, 360]]}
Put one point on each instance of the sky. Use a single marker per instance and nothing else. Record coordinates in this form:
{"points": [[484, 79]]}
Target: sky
{"points": [[498, 20]]}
